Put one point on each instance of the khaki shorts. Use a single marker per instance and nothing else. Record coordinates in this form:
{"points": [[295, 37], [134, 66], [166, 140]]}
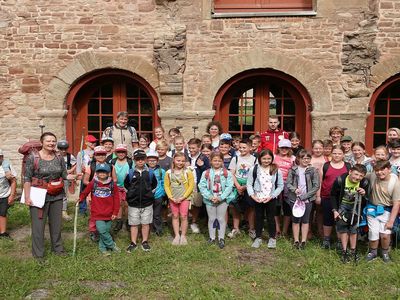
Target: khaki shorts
{"points": [[137, 216], [376, 225], [197, 199]]}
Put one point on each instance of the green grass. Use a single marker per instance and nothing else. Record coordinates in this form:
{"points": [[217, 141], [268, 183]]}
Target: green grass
{"points": [[197, 271]]}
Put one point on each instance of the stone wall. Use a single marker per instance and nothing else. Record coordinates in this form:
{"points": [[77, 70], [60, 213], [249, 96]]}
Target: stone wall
{"points": [[340, 56]]}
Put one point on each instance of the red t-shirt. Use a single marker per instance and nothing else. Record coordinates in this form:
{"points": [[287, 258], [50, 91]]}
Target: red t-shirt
{"points": [[330, 176]]}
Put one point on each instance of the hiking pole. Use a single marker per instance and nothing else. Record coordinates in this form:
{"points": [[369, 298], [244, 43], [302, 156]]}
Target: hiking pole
{"points": [[357, 203], [75, 227]]}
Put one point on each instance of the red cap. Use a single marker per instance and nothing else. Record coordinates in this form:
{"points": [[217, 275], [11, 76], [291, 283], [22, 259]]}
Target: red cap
{"points": [[90, 139], [121, 147]]}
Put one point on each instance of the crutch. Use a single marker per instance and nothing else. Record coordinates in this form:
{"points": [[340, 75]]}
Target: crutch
{"points": [[356, 209]]}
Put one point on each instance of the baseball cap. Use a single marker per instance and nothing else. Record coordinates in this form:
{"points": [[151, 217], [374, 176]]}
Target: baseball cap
{"points": [[90, 138], [346, 138], [121, 148], [100, 150], [107, 139], [139, 154], [103, 168], [152, 153], [284, 143], [394, 144], [226, 136]]}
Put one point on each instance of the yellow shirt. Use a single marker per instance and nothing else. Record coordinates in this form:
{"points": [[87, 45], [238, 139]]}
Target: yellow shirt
{"points": [[188, 183]]}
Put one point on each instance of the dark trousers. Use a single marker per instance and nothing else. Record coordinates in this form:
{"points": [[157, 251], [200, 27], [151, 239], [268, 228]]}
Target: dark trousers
{"points": [[157, 219], [52, 211], [82, 204], [262, 209]]}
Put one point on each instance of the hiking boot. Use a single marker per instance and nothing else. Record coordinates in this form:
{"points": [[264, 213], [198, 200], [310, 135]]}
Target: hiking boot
{"points": [[302, 246], [132, 246], [195, 228], [326, 244], [211, 241], [183, 240], [296, 245], [65, 216], [252, 234], [257, 243], [158, 232], [371, 256], [233, 233], [176, 240], [145, 246], [93, 237], [271, 243], [106, 253], [386, 258], [221, 243]]}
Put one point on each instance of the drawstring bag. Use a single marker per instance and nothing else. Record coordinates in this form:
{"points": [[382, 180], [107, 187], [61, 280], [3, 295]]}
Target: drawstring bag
{"points": [[299, 208]]}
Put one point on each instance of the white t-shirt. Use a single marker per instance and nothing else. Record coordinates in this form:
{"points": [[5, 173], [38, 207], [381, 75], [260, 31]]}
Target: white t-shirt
{"points": [[242, 167], [265, 181]]}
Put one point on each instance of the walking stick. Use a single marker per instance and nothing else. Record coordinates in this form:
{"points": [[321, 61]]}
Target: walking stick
{"points": [[357, 201], [75, 227]]}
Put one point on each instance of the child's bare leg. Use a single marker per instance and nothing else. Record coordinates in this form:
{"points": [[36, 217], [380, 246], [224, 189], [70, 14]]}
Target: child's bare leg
{"points": [[145, 232], [184, 225], [175, 225], [134, 233], [304, 231]]}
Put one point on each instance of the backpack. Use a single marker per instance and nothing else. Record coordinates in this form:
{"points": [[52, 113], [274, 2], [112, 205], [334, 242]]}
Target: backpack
{"points": [[92, 166], [326, 167], [151, 174], [33, 146], [130, 129], [207, 175], [129, 161]]}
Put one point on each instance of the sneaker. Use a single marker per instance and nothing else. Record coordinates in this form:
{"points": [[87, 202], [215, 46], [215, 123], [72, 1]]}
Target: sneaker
{"points": [[233, 233], [302, 246], [132, 246], [158, 232], [116, 249], [176, 240], [386, 258], [354, 255], [257, 243], [296, 245], [271, 243], [106, 253], [211, 241], [6, 235], [117, 226], [183, 240], [65, 216], [345, 257], [221, 243], [370, 256], [252, 234], [195, 228], [145, 246], [326, 244]]}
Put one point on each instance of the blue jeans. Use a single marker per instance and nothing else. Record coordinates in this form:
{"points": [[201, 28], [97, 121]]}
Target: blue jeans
{"points": [[105, 239]]}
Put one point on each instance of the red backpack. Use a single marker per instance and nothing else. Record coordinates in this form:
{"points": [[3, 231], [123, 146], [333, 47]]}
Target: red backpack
{"points": [[33, 146]]}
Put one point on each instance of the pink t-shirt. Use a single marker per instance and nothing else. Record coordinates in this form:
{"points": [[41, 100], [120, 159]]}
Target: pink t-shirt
{"points": [[284, 164], [330, 176]]}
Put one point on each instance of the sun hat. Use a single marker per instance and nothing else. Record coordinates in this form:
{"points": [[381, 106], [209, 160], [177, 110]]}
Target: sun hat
{"points": [[152, 153]]}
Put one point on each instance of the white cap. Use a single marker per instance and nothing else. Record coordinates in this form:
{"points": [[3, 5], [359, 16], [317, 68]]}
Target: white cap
{"points": [[152, 153], [299, 209], [284, 143]]}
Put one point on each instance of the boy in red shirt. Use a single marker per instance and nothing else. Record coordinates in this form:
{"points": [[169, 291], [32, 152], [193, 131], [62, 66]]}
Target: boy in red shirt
{"points": [[104, 206]]}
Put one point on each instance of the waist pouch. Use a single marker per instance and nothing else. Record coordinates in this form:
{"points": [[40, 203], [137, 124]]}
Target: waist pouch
{"points": [[376, 210], [53, 187]]}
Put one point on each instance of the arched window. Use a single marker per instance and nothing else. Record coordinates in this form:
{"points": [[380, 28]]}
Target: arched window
{"points": [[244, 103], [385, 113], [93, 104]]}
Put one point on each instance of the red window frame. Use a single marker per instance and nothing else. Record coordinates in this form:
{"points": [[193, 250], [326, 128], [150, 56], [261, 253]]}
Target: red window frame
{"points": [[263, 79], [382, 110], [232, 6], [87, 88]]}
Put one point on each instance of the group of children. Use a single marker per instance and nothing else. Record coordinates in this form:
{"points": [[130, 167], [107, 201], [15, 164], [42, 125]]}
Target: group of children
{"points": [[234, 177]]}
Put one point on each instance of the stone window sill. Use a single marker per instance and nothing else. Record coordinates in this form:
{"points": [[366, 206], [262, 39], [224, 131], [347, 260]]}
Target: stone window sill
{"points": [[311, 13]]}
